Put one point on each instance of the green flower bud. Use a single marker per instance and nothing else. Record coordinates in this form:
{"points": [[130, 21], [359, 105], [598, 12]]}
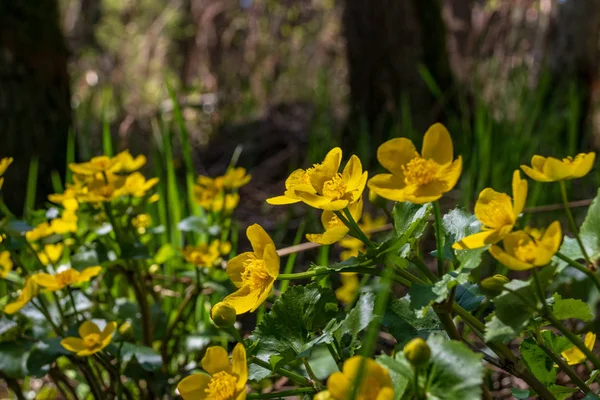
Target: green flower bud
{"points": [[223, 315], [494, 285], [417, 352]]}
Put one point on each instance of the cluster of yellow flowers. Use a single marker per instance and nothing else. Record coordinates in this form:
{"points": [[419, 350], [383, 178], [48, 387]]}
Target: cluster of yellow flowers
{"points": [[205, 254], [220, 194]]}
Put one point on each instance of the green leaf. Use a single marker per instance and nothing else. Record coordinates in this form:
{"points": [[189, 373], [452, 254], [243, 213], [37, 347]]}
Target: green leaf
{"points": [[404, 324], [423, 295], [459, 223], [520, 393], [293, 320], [42, 354], [410, 220], [570, 308], [556, 343], [13, 358], [147, 358], [538, 361], [563, 392], [498, 331]]}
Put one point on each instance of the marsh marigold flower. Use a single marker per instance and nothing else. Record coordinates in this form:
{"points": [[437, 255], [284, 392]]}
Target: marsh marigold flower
{"points": [[322, 186], [127, 163], [29, 291], [68, 277], [100, 164], [529, 248], [223, 315], [376, 383], [235, 178], [91, 339], [6, 264], [4, 163], [349, 289], [575, 356], [225, 380], [253, 272], [203, 255], [51, 253], [418, 178], [335, 229], [497, 213], [550, 169]]}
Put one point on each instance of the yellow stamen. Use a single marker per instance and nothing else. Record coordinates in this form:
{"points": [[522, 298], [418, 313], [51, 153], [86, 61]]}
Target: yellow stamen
{"points": [[335, 188], [420, 171], [526, 250], [221, 387], [255, 274], [67, 277], [92, 340]]}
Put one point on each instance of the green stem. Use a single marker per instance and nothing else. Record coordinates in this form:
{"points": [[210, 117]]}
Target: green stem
{"points": [[563, 193], [438, 237], [74, 304], [299, 379], [361, 235], [581, 268], [424, 269], [278, 395], [540, 290], [327, 271], [144, 309], [562, 365], [184, 303], [311, 374]]}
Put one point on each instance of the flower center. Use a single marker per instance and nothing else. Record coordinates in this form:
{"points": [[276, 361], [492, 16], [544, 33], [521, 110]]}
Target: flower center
{"points": [[67, 277], [369, 389], [420, 171], [526, 251], [255, 274], [92, 340], [335, 188], [222, 386]]}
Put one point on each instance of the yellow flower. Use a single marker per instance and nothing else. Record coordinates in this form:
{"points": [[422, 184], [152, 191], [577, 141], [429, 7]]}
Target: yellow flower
{"points": [[137, 185], [235, 178], [225, 202], [29, 291], [101, 164], [523, 251], [349, 289], [206, 190], [65, 224], [91, 339], [51, 253], [226, 380], [550, 169], [4, 163], [6, 264], [66, 278], [418, 178], [141, 222], [323, 395], [576, 356], [203, 255], [39, 232], [335, 229], [322, 186], [376, 383], [99, 187], [253, 273], [127, 163], [497, 213]]}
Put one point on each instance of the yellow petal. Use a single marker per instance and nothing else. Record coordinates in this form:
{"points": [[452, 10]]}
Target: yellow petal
{"points": [[271, 259], [396, 153], [4, 163], [282, 200], [239, 366], [386, 393], [323, 172], [388, 186], [216, 360], [88, 328], [474, 241], [259, 238], [243, 300], [321, 202], [47, 281], [557, 170], [583, 164], [353, 173], [494, 209], [330, 236], [323, 395], [437, 144], [519, 188], [450, 174], [193, 387], [509, 261], [235, 267], [425, 193], [262, 296], [535, 174], [574, 355], [73, 344], [108, 331], [550, 242], [89, 273], [339, 386]]}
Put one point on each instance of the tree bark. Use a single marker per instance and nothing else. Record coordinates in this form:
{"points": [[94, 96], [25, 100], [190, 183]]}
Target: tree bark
{"points": [[386, 41], [35, 109]]}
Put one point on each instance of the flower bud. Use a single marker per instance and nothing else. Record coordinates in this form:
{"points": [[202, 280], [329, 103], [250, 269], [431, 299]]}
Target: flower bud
{"points": [[417, 352], [493, 285], [223, 315]]}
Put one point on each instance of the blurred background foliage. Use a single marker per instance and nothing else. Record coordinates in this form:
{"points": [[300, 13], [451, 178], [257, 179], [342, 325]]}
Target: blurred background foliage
{"points": [[287, 80]]}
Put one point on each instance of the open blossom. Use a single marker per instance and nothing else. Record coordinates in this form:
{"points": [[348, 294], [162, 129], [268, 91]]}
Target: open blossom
{"points": [[550, 169], [68, 277], [418, 178], [253, 272], [203, 255], [235, 178], [376, 382], [529, 248], [225, 380], [100, 164], [322, 186], [575, 356], [91, 339], [127, 163], [29, 291], [498, 213]]}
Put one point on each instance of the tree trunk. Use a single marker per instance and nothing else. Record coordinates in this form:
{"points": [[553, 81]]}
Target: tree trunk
{"points": [[387, 40], [35, 109]]}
